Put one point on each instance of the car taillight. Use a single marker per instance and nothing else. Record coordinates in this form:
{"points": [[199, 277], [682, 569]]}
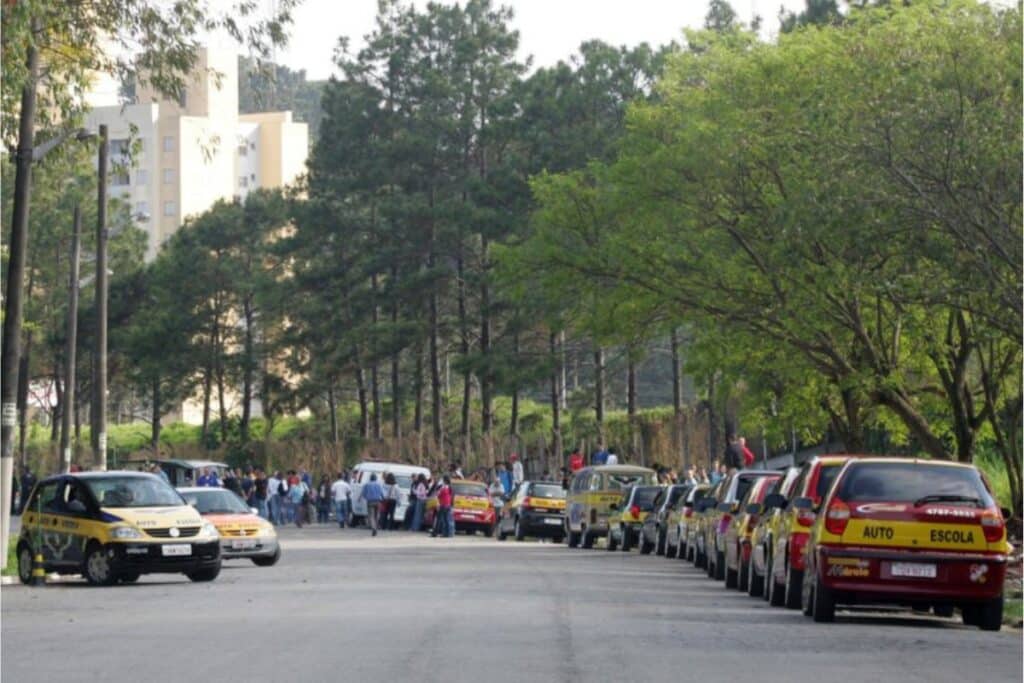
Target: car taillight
{"points": [[527, 503], [751, 523], [635, 511], [992, 524], [836, 517], [689, 513]]}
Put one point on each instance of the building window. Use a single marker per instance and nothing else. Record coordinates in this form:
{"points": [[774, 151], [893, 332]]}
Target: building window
{"points": [[142, 177], [120, 149], [170, 209], [252, 145], [243, 150], [243, 182], [168, 143], [168, 176], [142, 211], [119, 176], [183, 99], [253, 177]]}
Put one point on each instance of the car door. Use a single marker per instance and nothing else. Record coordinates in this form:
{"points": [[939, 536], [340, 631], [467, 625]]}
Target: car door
{"points": [[43, 520]]}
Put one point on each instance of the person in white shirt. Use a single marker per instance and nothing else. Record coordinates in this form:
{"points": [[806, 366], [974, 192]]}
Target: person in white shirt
{"points": [[517, 469], [341, 494], [273, 498], [612, 458]]}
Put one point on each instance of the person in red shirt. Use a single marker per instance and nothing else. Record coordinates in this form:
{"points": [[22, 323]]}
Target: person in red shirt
{"points": [[748, 455], [444, 509], [576, 461]]}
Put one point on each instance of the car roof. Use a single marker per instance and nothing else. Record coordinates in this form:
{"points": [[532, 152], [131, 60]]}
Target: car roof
{"points": [[617, 469], [911, 461], [193, 464], [545, 483], [108, 473], [468, 481], [393, 467], [197, 489]]}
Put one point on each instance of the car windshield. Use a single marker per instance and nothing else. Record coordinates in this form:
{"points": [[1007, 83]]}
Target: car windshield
{"points": [[674, 494], [643, 497], [216, 501], [620, 482], [403, 481], [826, 475], [469, 490], [133, 492], [698, 494], [547, 491], [743, 485], [910, 482]]}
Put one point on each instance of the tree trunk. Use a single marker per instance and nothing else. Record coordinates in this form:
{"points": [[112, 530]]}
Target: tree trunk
{"points": [[486, 383], [59, 408], [24, 364], [513, 426], [154, 439], [467, 376], [714, 440], [374, 383], [417, 419], [631, 410], [248, 366], [396, 357], [556, 400], [207, 391], [332, 406], [599, 395], [364, 413], [563, 392]]}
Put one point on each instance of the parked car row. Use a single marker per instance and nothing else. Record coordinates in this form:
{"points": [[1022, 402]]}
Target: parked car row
{"points": [[837, 530]]}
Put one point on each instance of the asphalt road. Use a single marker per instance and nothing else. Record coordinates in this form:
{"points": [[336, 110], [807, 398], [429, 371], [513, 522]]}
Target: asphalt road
{"points": [[342, 607]]}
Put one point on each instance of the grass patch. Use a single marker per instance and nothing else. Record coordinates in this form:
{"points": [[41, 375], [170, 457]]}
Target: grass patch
{"points": [[12, 559], [1012, 610]]}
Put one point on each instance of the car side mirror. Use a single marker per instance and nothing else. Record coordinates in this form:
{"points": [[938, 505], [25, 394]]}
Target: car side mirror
{"points": [[803, 504], [254, 511], [725, 507], [775, 500], [754, 509], [1007, 513], [77, 506]]}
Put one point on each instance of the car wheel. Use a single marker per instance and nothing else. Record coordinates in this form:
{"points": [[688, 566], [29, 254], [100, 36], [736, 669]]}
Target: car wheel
{"points": [[558, 540], [501, 533], [612, 543], [25, 564], [662, 548], [96, 568], [776, 591], [794, 584], [755, 584], [823, 605], [969, 613], [945, 611], [574, 539], [267, 561], [627, 540], [489, 531], [129, 577], [671, 551], [519, 533], [990, 615], [719, 566], [587, 540], [744, 577], [646, 547], [203, 575]]}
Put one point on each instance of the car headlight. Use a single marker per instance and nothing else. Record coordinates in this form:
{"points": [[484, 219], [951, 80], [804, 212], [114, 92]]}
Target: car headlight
{"points": [[267, 529], [125, 532], [209, 529]]}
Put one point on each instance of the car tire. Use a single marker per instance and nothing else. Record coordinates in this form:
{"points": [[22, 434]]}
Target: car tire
{"points": [[662, 547], [755, 582], [96, 566], [129, 577], [518, 531], [671, 551], [646, 547], [574, 539], [794, 584], [945, 611], [719, 566], [586, 540], [626, 539], [990, 615], [744, 576], [823, 604], [25, 563], [558, 540], [267, 561], [203, 575], [501, 534], [612, 543], [776, 590], [489, 531], [731, 578]]}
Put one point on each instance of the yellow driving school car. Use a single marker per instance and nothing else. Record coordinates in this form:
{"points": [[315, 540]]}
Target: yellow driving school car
{"points": [[115, 526], [592, 493]]}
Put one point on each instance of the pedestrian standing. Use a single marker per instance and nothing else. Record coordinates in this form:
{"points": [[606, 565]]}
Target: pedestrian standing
{"points": [[392, 496], [373, 494], [613, 458], [298, 496], [517, 470], [419, 501], [341, 493], [259, 494], [733, 454], [274, 500], [505, 474], [445, 512], [323, 501], [748, 455], [575, 461]]}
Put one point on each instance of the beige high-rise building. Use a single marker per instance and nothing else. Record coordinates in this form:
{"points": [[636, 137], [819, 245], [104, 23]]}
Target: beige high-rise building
{"points": [[196, 150]]}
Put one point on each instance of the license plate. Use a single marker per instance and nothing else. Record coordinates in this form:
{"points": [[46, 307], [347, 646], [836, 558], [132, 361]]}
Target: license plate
{"points": [[553, 521], [176, 549], [914, 570], [243, 545]]}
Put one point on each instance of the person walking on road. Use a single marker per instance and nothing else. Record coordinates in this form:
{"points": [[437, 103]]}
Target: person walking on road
{"points": [[259, 494], [341, 493], [298, 496], [419, 501], [373, 494], [323, 500], [390, 502]]}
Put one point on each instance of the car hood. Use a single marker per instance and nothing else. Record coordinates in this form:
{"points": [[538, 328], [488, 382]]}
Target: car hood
{"points": [[155, 517], [234, 521]]}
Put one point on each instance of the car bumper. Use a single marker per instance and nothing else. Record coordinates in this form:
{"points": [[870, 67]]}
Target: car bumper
{"points": [[542, 523], [149, 558], [867, 575], [261, 547]]}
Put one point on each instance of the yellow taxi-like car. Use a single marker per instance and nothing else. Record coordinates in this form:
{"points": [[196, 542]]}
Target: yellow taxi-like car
{"points": [[592, 492], [628, 517], [115, 526], [919, 533], [739, 531], [243, 533], [767, 529], [535, 508]]}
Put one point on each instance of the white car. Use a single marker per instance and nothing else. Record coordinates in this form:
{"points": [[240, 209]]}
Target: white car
{"points": [[404, 475]]}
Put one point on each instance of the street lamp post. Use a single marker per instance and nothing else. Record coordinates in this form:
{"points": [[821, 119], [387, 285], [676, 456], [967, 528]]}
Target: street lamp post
{"points": [[100, 383], [72, 340]]}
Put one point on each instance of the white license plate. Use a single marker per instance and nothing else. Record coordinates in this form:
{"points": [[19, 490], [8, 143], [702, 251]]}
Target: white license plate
{"points": [[176, 549], [553, 521], [243, 545], [915, 570]]}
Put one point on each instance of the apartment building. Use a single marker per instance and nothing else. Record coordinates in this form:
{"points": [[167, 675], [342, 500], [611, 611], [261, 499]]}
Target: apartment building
{"points": [[187, 154]]}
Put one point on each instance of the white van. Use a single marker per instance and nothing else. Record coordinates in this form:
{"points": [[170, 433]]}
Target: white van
{"points": [[404, 475]]}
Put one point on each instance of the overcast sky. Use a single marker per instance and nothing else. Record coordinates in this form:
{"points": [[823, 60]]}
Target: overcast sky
{"points": [[549, 30]]}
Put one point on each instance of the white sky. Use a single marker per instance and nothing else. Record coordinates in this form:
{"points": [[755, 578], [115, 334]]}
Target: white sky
{"points": [[549, 30]]}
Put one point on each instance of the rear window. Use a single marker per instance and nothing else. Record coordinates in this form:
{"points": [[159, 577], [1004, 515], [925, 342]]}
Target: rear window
{"points": [[698, 494], [644, 497], [826, 476], [907, 482], [469, 490], [619, 482], [674, 494], [547, 491]]}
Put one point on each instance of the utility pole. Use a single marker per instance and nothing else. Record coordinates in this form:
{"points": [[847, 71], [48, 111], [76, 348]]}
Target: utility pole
{"points": [[14, 303], [72, 341], [100, 383]]}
